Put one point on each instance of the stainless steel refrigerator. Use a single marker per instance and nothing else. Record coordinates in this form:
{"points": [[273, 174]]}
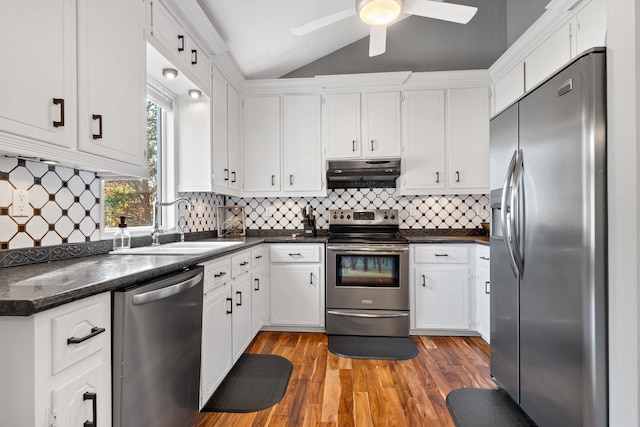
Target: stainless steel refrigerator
{"points": [[549, 247]]}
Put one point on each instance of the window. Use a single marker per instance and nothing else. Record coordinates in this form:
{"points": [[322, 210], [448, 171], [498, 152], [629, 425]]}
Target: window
{"points": [[133, 198]]}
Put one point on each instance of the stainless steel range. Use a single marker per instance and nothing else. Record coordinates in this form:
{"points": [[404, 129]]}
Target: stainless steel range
{"points": [[367, 274]]}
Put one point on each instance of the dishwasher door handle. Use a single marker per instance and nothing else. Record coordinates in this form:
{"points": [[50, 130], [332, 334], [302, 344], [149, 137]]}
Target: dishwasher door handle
{"points": [[367, 315], [163, 293]]}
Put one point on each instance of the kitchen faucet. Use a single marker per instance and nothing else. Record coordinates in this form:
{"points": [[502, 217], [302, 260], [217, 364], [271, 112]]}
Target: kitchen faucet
{"points": [[157, 231]]}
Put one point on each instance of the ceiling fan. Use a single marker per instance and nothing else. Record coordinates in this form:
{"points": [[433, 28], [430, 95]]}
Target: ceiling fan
{"points": [[379, 14]]}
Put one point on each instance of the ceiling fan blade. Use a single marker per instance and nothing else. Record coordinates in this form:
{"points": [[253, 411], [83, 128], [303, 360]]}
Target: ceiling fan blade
{"points": [[323, 22], [440, 10], [377, 40]]}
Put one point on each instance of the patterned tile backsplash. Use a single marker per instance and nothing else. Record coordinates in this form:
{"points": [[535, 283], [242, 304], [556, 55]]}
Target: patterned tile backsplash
{"points": [[416, 212], [64, 207]]}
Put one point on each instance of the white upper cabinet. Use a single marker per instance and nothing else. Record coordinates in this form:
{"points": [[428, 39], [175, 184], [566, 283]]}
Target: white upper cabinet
{"points": [[509, 88], [341, 125], [194, 139], [370, 130], [177, 45], [423, 158], [261, 124], [591, 26], [227, 147], [468, 139], [552, 54], [301, 143], [381, 124], [38, 79]]}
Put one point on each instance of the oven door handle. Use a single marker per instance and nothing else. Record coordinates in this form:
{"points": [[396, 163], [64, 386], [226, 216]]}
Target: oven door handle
{"points": [[367, 315], [376, 248]]}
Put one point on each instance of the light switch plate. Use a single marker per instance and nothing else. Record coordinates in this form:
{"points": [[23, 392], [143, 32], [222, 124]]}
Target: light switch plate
{"points": [[20, 203]]}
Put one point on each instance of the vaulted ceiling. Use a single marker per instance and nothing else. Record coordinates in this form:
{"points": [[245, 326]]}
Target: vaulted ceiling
{"points": [[258, 35]]}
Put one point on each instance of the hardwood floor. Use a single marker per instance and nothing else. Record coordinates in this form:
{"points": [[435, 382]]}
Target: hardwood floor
{"points": [[326, 390]]}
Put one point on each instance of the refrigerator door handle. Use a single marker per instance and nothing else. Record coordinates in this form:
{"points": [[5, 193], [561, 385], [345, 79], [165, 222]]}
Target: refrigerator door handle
{"points": [[515, 215], [505, 212]]}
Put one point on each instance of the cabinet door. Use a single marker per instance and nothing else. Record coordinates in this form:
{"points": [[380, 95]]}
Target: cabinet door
{"points": [[257, 300], [221, 173], [424, 139], [216, 341], [241, 321], [234, 153], [442, 298], [74, 401], [341, 125], [483, 303], [168, 32], [198, 63], [591, 26], [38, 66], [295, 295], [552, 54], [301, 143], [381, 124], [509, 88], [262, 143], [112, 101], [468, 131], [195, 159]]}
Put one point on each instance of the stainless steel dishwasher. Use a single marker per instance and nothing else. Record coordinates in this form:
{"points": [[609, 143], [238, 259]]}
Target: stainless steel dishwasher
{"points": [[157, 330]]}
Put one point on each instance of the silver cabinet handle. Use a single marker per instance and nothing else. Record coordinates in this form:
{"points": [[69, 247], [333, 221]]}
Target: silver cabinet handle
{"points": [[340, 313], [163, 293]]}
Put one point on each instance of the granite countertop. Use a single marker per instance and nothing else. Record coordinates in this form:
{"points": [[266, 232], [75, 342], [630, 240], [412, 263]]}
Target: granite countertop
{"points": [[28, 289]]}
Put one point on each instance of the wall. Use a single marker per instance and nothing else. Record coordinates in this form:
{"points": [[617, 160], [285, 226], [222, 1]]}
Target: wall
{"points": [[64, 207], [416, 212]]}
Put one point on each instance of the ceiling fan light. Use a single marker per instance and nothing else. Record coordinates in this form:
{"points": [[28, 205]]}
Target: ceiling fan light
{"points": [[379, 12]]}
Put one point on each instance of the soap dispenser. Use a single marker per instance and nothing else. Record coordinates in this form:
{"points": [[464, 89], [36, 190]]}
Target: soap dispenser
{"points": [[122, 237]]}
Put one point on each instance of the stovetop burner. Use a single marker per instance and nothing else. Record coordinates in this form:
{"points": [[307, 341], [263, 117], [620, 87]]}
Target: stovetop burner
{"points": [[364, 226]]}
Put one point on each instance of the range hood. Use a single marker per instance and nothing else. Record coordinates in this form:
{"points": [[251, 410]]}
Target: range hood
{"points": [[375, 173]]}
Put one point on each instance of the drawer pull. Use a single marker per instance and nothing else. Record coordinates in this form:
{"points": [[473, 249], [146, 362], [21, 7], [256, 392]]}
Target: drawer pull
{"points": [[258, 256], [222, 273], [441, 255], [242, 264], [486, 258], [94, 331], [296, 254], [94, 398]]}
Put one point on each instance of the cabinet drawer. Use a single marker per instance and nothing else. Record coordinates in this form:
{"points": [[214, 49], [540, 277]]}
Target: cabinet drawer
{"points": [[258, 256], [216, 273], [240, 264], [295, 253], [441, 254], [78, 331]]}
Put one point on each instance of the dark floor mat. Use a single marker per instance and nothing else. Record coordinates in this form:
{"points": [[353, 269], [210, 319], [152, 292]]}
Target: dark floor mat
{"points": [[256, 382], [358, 347], [480, 407]]}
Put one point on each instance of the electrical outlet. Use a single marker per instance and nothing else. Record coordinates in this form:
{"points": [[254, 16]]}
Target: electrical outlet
{"points": [[412, 210], [20, 203]]}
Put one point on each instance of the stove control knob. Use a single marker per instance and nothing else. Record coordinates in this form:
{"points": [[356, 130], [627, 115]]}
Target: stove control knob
{"points": [[393, 217], [348, 216], [386, 217], [335, 216], [341, 216]]}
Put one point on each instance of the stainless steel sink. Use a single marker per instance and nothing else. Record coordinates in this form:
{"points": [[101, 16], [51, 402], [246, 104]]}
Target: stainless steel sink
{"points": [[177, 248]]}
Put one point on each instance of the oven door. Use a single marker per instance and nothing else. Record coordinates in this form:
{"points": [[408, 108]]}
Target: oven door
{"points": [[368, 277]]}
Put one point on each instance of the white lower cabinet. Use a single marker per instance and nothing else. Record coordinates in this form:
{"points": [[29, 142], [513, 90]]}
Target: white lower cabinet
{"points": [[440, 280], [56, 365], [483, 292], [297, 285], [241, 316]]}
